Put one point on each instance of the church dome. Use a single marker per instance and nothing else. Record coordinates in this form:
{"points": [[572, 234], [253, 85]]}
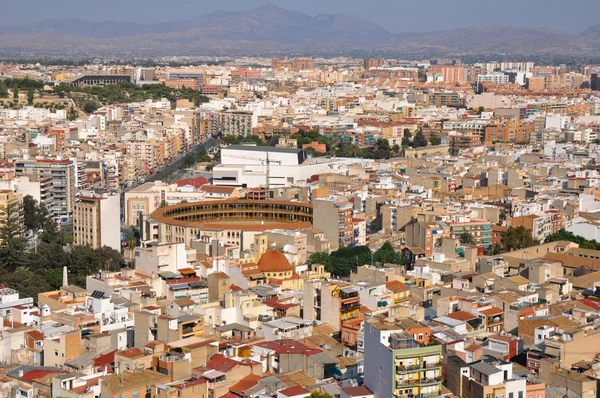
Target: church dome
{"points": [[274, 261]]}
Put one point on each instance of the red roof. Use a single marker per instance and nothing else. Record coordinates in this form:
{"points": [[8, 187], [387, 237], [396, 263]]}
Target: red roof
{"points": [[196, 182], [38, 374], [105, 359], [590, 304], [235, 288], [273, 303], [293, 391], [357, 391], [220, 363]]}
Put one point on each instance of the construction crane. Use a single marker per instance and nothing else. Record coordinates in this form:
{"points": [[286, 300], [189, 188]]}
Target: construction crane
{"points": [[266, 162]]}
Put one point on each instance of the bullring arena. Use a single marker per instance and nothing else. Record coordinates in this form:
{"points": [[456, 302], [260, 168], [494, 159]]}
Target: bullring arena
{"points": [[230, 221]]}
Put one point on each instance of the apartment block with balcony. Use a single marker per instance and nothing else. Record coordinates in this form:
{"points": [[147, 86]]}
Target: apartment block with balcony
{"points": [[62, 174], [396, 365], [11, 208], [339, 303], [481, 230]]}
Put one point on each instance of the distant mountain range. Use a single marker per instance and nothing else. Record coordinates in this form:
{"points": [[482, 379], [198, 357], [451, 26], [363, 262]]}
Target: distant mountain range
{"points": [[271, 29]]}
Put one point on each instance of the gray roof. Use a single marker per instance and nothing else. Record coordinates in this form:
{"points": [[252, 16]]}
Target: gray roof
{"points": [[273, 383], [324, 359], [485, 368], [83, 360], [187, 318]]}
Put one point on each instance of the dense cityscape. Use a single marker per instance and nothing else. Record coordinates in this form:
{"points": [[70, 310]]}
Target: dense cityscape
{"points": [[297, 225]]}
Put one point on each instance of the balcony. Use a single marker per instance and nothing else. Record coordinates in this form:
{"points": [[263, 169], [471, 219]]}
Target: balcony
{"points": [[431, 380], [350, 307], [407, 383], [406, 369]]}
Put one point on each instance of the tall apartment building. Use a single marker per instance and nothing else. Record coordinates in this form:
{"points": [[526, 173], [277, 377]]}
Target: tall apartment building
{"points": [[97, 220], [334, 217], [450, 73], [397, 365], [62, 173], [495, 78], [230, 123], [11, 204], [511, 131], [595, 81], [372, 63]]}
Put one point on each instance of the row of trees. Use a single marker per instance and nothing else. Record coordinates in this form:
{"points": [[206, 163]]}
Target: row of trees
{"points": [[571, 237], [514, 238], [129, 92], [347, 259], [198, 156], [34, 268]]}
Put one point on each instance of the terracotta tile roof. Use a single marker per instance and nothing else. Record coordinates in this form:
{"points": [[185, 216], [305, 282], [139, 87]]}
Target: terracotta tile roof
{"points": [[461, 316], [195, 182], [35, 334], [293, 391], [245, 384], [221, 363], [492, 311], [38, 374], [104, 360], [357, 391], [131, 353], [396, 286]]}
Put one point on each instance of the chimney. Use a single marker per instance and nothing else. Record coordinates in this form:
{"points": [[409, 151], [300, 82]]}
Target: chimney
{"points": [[65, 277]]}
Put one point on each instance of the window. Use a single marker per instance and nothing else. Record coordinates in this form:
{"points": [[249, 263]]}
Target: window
{"points": [[121, 395], [135, 393], [511, 395], [520, 394]]}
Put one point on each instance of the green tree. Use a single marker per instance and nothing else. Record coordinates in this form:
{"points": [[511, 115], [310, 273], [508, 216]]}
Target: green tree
{"points": [[72, 116], [571, 237], [515, 238], [435, 140], [387, 254], [466, 239], [27, 282], [49, 233], [13, 244], [35, 214], [163, 203], [15, 93], [3, 90], [54, 278], [90, 106], [420, 140], [131, 241], [30, 96], [319, 394]]}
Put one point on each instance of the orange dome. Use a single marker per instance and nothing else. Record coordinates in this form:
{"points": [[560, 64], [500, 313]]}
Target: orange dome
{"points": [[274, 261]]}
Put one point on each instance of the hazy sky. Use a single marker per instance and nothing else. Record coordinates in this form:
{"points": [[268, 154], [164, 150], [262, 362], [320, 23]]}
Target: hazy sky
{"points": [[572, 16]]}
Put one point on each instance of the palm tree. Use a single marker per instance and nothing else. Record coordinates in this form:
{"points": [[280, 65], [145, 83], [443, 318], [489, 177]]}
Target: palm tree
{"points": [[467, 239]]}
